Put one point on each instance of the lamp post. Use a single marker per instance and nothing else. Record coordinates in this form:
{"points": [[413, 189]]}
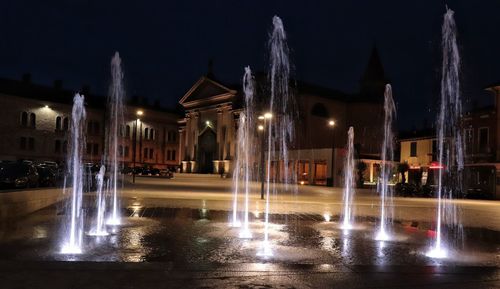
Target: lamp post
{"points": [[262, 128], [139, 113], [331, 124]]}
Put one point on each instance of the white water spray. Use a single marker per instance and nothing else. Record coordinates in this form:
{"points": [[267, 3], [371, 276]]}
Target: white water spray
{"points": [[72, 243], [347, 199], [116, 120], [99, 226], [387, 156], [450, 140], [280, 127]]}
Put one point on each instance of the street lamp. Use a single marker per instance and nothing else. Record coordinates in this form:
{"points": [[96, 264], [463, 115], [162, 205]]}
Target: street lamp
{"points": [[139, 113], [331, 124]]}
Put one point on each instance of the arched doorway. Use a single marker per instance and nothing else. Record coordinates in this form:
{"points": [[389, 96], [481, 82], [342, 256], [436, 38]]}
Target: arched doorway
{"points": [[207, 144]]}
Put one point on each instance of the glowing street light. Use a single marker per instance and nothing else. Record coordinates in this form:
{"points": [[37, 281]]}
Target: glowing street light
{"points": [[261, 117], [261, 127], [208, 122], [268, 115], [139, 112], [331, 123]]}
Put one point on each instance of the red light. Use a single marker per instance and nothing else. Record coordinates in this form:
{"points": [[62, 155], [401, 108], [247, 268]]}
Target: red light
{"points": [[436, 165]]}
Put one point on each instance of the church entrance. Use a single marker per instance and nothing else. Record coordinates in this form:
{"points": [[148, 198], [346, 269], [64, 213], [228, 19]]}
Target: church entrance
{"points": [[207, 144]]}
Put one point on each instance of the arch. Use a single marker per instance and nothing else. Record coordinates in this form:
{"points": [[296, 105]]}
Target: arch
{"points": [[32, 120], [58, 123], [24, 118]]}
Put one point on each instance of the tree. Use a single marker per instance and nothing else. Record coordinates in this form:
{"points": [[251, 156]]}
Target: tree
{"points": [[402, 169]]}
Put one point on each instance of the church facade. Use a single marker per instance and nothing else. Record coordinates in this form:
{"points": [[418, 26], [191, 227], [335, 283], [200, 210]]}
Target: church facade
{"points": [[208, 130]]}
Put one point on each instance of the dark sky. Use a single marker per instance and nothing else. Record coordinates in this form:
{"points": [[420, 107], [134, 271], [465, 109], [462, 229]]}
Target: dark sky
{"points": [[165, 45]]}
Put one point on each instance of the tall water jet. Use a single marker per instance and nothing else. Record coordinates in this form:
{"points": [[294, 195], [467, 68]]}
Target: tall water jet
{"points": [[115, 123], [99, 226], [72, 243], [280, 124], [348, 195], [449, 137], [247, 141], [387, 156]]}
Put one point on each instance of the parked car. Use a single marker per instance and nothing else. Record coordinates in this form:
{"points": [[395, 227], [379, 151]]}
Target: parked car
{"points": [[127, 171], [18, 175], [47, 176], [166, 173]]}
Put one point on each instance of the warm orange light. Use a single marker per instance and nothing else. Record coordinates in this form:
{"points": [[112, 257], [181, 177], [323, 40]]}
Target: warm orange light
{"points": [[261, 127], [140, 112], [268, 115], [331, 123]]}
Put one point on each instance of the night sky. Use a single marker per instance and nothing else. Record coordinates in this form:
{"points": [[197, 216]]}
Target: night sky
{"points": [[166, 45]]}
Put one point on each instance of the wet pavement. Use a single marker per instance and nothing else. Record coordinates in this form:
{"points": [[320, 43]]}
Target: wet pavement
{"points": [[195, 248]]}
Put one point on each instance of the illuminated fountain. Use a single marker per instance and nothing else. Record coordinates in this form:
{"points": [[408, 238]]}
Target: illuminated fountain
{"points": [[280, 128], [347, 199], [72, 243], [387, 156], [116, 120], [243, 172], [99, 226], [450, 140]]}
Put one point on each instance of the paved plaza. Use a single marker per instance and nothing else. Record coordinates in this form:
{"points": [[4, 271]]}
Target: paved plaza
{"points": [[176, 235]]}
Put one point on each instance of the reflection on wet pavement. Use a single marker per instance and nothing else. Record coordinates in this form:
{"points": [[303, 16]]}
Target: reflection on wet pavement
{"points": [[198, 238]]}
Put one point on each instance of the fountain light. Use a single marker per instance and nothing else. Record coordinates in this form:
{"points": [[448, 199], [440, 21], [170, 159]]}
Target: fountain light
{"points": [[382, 236], [245, 234], [437, 253], [327, 217], [265, 251], [71, 249]]}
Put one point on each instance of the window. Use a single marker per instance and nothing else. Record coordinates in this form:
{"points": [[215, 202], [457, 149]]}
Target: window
{"points": [[24, 118], [22, 143], [32, 120], [120, 151], [483, 141], [127, 131], [145, 155], [469, 140], [96, 149], [320, 110], [152, 134], [146, 133], [31, 144], [413, 149], [151, 153], [171, 136], [66, 124], [89, 148], [57, 146], [65, 146], [173, 155], [58, 123], [168, 155], [89, 127], [434, 150], [126, 151]]}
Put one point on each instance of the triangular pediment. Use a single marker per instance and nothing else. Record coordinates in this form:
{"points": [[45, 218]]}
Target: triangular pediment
{"points": [[206, 90]]}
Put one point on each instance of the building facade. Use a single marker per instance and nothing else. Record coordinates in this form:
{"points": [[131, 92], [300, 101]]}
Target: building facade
{"points": [[208, 130], [37, 120]]}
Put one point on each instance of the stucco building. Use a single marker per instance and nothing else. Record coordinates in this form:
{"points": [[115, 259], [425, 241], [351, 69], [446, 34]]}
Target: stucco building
{"points": [[208, 130]]}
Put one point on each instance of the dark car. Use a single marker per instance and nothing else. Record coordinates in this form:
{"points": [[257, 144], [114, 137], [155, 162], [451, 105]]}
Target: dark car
{"points": [[18, 175], [166, 173], [46, 176]]}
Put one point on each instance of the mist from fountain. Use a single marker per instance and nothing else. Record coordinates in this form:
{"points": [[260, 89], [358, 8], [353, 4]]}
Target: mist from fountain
{"points": [[72, 243], [99, 226], [386, 169], [280, 127], [116, 120], [449, 141], [348, 194]]}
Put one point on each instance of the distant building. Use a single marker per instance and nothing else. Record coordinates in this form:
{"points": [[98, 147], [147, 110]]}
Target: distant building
{"points": [[36, 120], [208, 130]]}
